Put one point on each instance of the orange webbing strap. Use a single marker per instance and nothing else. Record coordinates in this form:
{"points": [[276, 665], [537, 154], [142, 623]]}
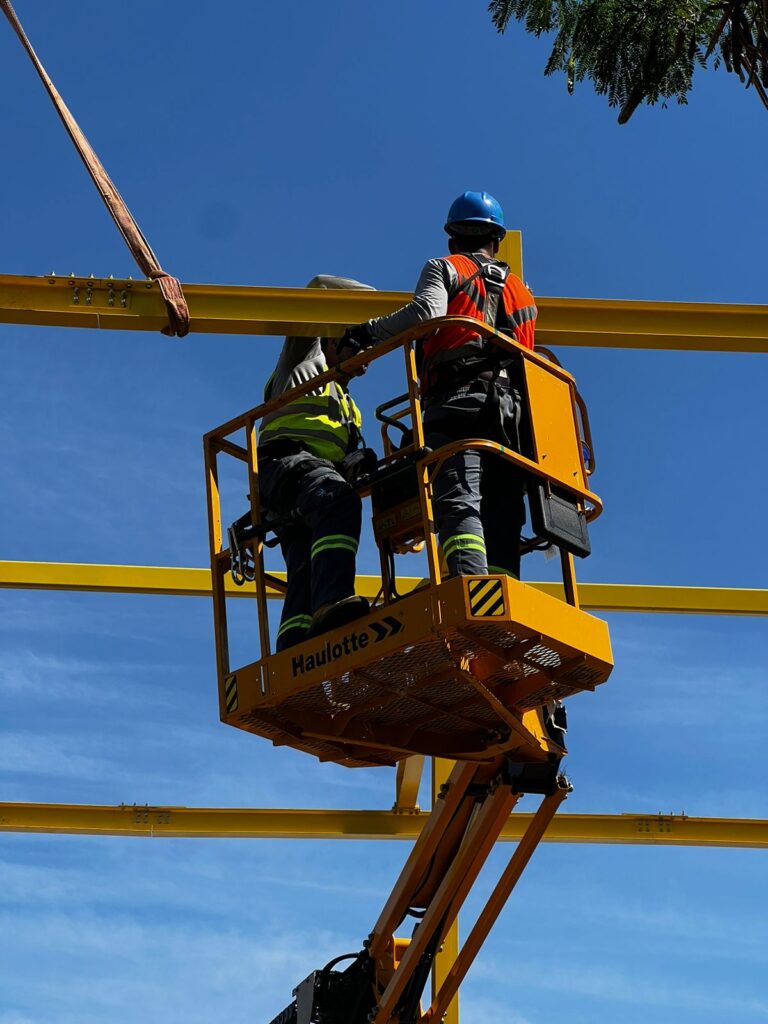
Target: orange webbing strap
{"points": [[170, 287]]}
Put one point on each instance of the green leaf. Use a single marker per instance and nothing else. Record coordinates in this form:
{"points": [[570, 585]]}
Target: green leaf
{"points": [[645, 51]]}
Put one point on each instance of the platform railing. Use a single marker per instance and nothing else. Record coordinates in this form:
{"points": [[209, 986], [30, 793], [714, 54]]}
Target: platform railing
{"points": [[428, 464]]}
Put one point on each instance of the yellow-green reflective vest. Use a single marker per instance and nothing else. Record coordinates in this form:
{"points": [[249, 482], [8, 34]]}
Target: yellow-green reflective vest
{"points": [[327, 422]]}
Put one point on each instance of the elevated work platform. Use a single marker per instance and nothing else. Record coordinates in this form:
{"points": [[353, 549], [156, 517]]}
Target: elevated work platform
{"points": [[469, 668], [454, 670]]}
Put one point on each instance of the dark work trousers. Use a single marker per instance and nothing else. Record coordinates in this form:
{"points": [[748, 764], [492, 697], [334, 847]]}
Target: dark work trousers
{"points": [[319, 549], [478, 498]]}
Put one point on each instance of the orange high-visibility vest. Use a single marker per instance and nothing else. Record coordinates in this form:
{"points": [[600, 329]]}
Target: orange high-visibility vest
{"points": [[516, 316]]}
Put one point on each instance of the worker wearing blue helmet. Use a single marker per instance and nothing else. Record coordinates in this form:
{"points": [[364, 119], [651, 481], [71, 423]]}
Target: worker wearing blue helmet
{"points": [[478, 208], [466, 389]]}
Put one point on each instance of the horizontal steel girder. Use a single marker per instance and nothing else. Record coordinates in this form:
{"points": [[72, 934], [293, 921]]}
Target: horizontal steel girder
{"points": [[217, 823], [153, 579], [225, 309]]}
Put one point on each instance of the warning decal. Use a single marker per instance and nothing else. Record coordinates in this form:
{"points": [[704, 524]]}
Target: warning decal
{"points": [[486, 598], [230, 694]]}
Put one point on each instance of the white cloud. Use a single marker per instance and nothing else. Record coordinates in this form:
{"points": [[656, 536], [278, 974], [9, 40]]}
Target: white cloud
{"points": [[127, 970], [26, 753], [484, 1009], [619, 986], [701, 932], [40, 676]]}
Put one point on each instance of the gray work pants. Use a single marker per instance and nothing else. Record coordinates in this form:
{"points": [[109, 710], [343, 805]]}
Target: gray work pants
{"points": [[478, 498]]}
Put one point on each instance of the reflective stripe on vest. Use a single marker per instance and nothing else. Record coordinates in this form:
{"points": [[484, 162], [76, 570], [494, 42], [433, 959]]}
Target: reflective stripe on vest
{"points": [[326, 422], [516, 314]]}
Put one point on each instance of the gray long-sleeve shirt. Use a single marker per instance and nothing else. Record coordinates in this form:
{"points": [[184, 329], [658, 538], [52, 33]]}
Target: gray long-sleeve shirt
{"points": [[437, 281]]}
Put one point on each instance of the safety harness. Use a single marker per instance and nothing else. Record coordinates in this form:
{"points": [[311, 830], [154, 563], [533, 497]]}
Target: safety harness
{"points": [[494, 274], [453, 366]]}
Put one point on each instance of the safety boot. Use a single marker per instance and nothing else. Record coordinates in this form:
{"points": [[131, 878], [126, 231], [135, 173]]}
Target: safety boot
{"points": [[337, 613]]}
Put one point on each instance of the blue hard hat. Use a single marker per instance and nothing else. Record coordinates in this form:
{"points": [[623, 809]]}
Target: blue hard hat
{"points": [[475, 211]]}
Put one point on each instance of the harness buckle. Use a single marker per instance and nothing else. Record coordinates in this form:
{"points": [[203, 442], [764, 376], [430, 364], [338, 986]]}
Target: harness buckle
{"points": [[495, 276]]}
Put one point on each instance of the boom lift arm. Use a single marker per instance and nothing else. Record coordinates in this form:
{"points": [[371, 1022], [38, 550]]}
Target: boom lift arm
{"points": [[385, 981]]}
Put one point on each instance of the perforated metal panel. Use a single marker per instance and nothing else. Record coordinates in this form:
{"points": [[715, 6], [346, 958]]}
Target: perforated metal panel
{"points": [[457, 692]]}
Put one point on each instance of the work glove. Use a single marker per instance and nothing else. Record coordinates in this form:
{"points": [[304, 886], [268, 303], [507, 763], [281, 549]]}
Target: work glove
{"points": [[354, 340]]}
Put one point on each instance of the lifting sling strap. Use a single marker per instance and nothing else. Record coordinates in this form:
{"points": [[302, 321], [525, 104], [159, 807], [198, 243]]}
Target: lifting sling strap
{"points": [[170, 287]]}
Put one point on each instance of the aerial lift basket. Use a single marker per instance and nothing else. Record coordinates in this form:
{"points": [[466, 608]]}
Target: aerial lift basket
{"points": [[468, 668]]}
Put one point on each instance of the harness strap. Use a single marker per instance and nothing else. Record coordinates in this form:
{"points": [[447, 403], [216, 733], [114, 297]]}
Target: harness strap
{"points": [[461, 365], [494, 274], [170, 287]]}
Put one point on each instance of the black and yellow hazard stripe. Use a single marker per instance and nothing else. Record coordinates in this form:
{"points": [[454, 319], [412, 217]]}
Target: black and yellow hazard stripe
{"points": [[230, 694], [486, 598]]}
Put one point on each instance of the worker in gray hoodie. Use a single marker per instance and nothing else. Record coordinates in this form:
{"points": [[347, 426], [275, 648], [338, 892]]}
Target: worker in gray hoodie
{"points": [[302, 448]]}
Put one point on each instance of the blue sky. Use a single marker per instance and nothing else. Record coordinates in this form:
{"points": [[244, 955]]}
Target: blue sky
{"points": [[262, 144]]}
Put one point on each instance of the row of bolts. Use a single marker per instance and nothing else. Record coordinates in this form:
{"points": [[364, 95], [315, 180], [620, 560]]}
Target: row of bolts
{"points": [[89, 290]]}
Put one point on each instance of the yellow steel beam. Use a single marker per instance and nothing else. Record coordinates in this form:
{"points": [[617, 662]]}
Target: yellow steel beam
{"points": [[232, 823], [225, 309], [155, 579], [449, 951], [407, 782], [625, 597], [114, 579]]}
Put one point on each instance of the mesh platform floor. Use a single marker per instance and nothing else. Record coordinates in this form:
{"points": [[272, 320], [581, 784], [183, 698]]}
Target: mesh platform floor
{"points": [[416, 698]]}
